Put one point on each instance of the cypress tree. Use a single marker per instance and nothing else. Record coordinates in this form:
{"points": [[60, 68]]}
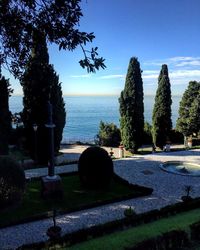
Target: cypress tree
{"points": [[5, 115], [40, 85], [132, 108], [161, 120], [189, 113], [195, 115]]}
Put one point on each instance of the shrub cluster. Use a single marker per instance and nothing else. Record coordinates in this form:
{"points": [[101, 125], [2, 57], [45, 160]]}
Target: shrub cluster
{"points": [[12, 181], [108, 135], [95, 168]]}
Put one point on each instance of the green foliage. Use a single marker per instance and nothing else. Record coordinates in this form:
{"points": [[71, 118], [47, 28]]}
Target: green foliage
{"points": [[58, 20], [109, 135], [59, 114], [195, 115], [189, 110], [95, 168], [161, 120], [132, 108], [5, 115], [176, 137], [41, 84], [147, 137], [17, 137], [129, 212], [12, 181], [123, 239]]}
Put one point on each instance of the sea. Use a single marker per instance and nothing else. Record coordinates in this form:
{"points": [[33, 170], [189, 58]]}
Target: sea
{"points": [[84, 114]]}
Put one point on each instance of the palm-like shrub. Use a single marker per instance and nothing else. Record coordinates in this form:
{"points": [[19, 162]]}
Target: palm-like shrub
{"points": [[12, 181], [95, 168]]}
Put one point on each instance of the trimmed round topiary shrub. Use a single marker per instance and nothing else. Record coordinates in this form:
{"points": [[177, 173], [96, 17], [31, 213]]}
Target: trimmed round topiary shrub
{"points": [[95, 168], [12, 181]]}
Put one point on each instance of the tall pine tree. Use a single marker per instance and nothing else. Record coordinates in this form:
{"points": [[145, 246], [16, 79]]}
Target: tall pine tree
{"points": [[41, 84], [161, 120], [5, 115], [132, 108]]}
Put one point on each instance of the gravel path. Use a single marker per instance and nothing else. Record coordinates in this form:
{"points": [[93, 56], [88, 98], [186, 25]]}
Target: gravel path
{"points": [[143, 170], [31, 173]]}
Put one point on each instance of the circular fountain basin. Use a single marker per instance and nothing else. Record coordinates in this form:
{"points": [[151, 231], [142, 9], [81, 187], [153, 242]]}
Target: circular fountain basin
{"points": [[181, 168]]}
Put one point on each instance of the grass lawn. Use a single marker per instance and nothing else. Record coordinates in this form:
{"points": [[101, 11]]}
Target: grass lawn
{"points": [[130, 237], [74, 198]]}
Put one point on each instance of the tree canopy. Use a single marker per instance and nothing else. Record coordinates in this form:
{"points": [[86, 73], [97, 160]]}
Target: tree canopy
{"points": [[58, 20], [189, 110], [41, 84], [132, 107], [5, 115], [161, 120]]}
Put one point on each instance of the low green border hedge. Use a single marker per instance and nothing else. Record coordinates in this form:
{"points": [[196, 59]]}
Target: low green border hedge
{"points": [[110, 227]]}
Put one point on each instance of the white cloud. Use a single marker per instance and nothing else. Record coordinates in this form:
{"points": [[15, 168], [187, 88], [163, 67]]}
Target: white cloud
{"points": [[182, 58], [150, 76], [185, 73], [189, 63], [177, 77], [81, 76], [112, 77], [179, 81], [186, 61], [154, 63], [182, 70], [178, 61], [146, 72]]}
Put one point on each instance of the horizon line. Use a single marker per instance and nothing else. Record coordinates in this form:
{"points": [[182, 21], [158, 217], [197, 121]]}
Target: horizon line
{"points": [[99, 95]]}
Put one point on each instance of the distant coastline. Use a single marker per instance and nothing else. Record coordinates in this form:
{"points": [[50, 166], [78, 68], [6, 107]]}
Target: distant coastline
{"points": [[88, 95], [84, 113]]}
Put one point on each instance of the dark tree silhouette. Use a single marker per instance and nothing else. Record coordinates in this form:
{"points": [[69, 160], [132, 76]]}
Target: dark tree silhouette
{"points": [[40, 85], [189, 110], [132, 108], [57, 20], [161, 120], [5, 115]]}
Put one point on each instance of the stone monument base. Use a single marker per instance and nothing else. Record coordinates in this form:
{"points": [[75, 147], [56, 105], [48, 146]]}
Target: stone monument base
{"points": [[52, 187]]}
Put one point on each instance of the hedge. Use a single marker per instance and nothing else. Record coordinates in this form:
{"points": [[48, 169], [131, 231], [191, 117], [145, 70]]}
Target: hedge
{"points": [[110, 227]]}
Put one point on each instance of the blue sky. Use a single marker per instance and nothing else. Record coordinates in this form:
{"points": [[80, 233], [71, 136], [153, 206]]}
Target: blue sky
{"points": [[155, 31]]}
